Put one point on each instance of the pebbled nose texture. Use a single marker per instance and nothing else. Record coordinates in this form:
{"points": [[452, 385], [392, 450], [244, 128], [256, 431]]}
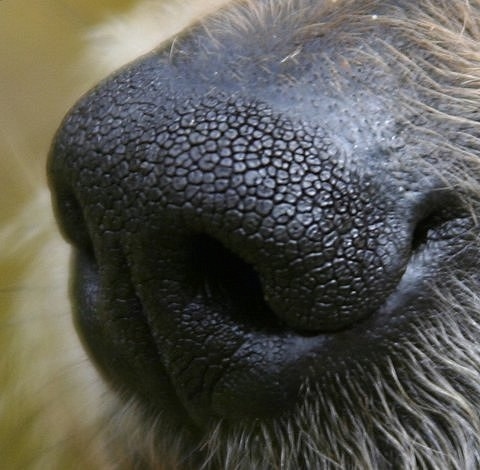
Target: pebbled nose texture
{"points": [[225, 249], [320, 239], [278, 197], [229, 249]]}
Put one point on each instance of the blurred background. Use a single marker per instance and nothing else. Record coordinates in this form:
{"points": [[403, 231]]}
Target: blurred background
{"points": [[41, 75]]}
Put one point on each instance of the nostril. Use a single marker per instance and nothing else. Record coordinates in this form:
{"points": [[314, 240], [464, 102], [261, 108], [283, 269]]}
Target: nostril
{"points": [[72, 222], [219, 276], [423, 230], [218, 272], [443, 214]]}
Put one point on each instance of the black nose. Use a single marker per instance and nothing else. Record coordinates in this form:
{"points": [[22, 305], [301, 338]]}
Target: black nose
{"points": [[228, 250], [264, 199], [236, 202]]}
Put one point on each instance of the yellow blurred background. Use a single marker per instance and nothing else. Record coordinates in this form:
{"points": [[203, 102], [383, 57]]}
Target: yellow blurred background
{"points": [[41, 75]]}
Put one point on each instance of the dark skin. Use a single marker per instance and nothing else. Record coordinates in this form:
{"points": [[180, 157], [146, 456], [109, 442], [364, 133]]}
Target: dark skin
{"points": [[241, 227]]}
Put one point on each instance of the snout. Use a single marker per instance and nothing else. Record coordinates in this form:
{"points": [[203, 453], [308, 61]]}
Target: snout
{"points": [[226, 252]]}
